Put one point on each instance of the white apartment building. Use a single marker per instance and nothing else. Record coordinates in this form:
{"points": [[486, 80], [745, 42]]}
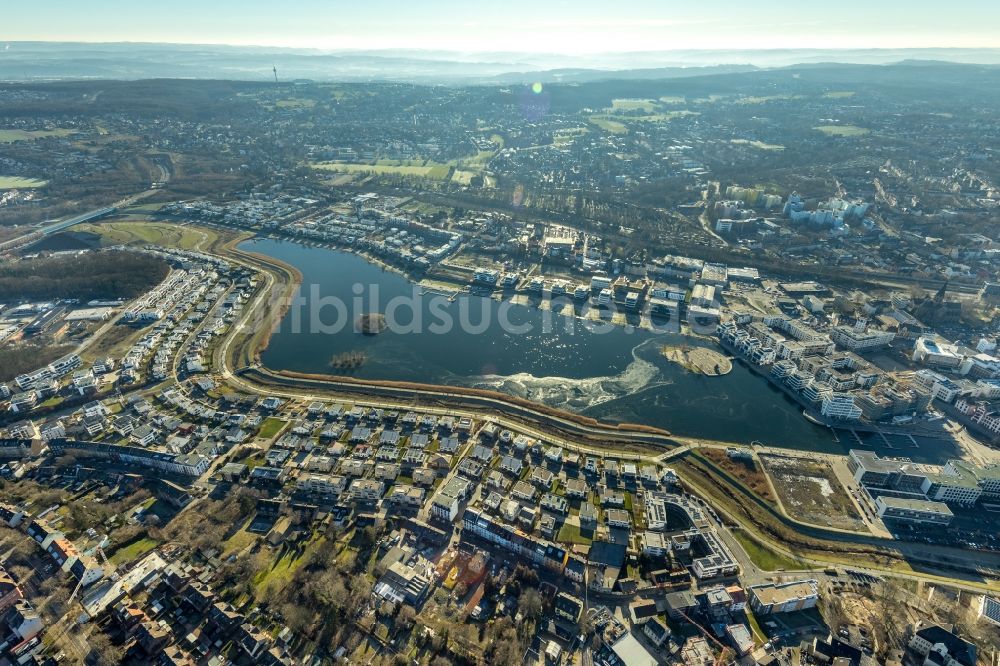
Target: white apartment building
{"points": [[840, 406]]}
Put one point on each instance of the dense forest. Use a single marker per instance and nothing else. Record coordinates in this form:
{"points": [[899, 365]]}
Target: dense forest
{"points": [[93, 275]]}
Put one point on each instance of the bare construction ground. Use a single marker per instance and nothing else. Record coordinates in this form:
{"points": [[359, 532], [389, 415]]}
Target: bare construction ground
{"points": [[810, 492]]}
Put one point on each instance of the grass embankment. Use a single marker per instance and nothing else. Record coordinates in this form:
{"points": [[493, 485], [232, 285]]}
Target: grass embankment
{"points": [[746, 472], [764, 557]]}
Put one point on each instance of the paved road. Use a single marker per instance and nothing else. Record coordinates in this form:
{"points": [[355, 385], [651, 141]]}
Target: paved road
{"points": [[37, 234]]}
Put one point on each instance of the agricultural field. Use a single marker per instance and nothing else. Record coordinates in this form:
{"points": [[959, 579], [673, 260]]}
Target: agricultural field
{"points": [[19, 183], [12, 135], [842, 130], [341, 179], [811, 492], [774, 147], [295, 103], [428, 169], [644, 105], [838, 94], [615, 124], [763, 99]]}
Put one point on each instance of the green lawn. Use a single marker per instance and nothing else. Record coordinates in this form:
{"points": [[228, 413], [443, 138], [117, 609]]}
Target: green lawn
{"points": [[571, 534], [18, 183], [271, 427], [133, 551], [842, 130], [764, 557], [253, 461]]}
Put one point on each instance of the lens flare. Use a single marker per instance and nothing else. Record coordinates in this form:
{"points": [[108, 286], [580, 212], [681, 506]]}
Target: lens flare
{"points": [[536, 88]]}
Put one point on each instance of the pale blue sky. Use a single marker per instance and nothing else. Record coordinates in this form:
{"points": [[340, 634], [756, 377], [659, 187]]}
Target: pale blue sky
{"points": [[559, 26]]}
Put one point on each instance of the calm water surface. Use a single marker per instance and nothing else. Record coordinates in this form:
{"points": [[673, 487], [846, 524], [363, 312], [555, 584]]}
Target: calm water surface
{"points": [[614, 373]]}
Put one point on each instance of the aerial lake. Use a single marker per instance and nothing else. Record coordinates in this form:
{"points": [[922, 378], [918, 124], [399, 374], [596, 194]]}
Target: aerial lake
{"points": [[608, 372]]}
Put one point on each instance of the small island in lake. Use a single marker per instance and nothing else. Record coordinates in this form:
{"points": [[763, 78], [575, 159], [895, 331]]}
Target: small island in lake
{"points": [[698, 360], [348, 360], [371, 324]]}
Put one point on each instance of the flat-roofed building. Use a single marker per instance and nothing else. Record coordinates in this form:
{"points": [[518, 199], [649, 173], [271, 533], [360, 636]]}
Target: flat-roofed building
{"points": [[771, 598], [910, 510]]}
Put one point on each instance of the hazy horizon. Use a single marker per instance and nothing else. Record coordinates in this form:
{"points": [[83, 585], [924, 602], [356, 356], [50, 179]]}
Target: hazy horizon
{"points": [[583, 27]]}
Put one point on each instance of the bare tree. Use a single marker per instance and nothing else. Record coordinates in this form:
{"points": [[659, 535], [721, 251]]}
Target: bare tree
{"points": [[888, 623], [102, 651]]}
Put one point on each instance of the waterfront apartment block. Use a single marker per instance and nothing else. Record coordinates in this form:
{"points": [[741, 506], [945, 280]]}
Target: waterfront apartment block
{"points": [[957, 483]]}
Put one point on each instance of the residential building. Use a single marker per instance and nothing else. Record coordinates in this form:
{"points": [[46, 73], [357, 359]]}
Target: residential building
{"points": [[941, 646], [770, 598], [444, 505], [10, 591]]}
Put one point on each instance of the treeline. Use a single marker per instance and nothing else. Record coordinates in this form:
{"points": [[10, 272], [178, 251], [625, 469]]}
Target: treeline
{"points": [[93, 275]]}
